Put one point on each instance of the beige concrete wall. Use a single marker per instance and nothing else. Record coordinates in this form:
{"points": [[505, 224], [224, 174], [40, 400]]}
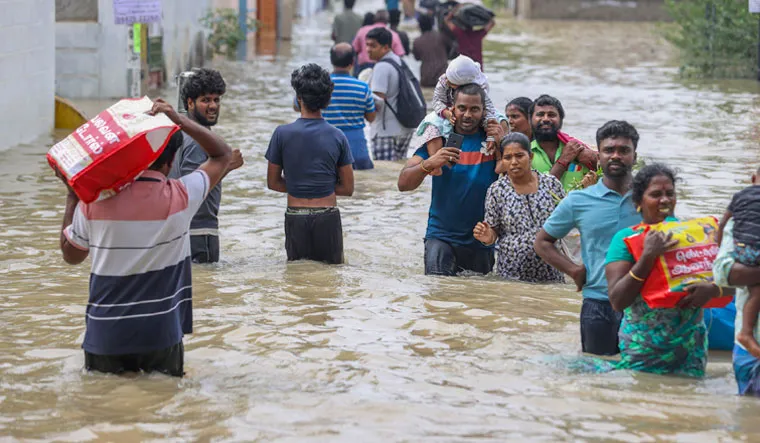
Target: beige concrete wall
{"points": [[76, 10], [613, 10]]}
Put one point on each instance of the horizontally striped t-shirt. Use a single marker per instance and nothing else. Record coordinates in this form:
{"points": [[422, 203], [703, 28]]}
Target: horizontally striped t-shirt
{"points": [[140, 283], [351, 99]]}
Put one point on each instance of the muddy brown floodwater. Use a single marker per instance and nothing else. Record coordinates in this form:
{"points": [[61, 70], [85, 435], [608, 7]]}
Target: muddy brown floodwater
{"points": [[374, 350]]}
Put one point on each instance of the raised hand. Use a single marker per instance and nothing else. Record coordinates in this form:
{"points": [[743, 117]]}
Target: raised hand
{"points": [[160, 106]]}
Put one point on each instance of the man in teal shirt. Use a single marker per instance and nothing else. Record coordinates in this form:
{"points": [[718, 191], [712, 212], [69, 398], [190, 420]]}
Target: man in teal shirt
{"points": [[550, 155], [598, 212]]}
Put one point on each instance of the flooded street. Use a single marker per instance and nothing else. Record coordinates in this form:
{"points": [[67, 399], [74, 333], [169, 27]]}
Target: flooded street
{"points": [[374, 350]]}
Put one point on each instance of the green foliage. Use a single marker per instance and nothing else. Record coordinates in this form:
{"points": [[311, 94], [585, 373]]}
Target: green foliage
{"points": [[225, 30], [495, 5], [716, 38]]}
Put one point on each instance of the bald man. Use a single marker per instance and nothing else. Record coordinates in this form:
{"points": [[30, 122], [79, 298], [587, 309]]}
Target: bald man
{"points": [[350, 105]]}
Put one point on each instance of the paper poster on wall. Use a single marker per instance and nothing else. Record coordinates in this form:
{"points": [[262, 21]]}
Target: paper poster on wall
{"points": [[754, 6], [137, 38], [128, 12]]}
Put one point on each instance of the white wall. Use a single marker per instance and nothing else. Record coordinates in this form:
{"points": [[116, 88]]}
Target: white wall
{"points": [[184, 37], [91, 58], [27, 70], [308, 8]]}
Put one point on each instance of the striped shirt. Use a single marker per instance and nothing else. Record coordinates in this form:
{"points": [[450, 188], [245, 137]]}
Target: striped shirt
{"points": [[140, 283], [351, 99]]}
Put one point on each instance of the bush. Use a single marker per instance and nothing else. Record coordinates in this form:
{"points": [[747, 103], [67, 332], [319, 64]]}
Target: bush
{"points": [[225, 30], [716, 38]]}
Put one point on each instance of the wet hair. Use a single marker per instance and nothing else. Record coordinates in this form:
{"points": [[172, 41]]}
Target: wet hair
{"points": [[470, 89], [394, 17], [426, 22], [170, 150], [548, 100], [203, 81], [645, 176], [617, 129], [523, 104], [341, 58], [369, 19], [382, 16], [313, 86], [381, 35], [349, 4], [515, 137]]}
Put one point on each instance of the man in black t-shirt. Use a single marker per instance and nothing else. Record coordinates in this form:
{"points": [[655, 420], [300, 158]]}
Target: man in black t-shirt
{"points": [[311, 161]]}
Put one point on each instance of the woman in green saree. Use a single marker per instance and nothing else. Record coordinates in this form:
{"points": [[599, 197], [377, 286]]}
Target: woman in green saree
{"points": [[660, 341]]}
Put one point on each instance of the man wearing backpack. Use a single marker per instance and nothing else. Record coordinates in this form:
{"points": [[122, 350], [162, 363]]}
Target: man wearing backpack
{"points": [[398, 98]]}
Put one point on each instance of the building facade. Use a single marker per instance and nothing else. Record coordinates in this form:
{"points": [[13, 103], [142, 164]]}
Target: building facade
{"points": [[27, 70], [92, 52]]}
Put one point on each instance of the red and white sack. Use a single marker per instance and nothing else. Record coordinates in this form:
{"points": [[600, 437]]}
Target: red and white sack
{"points": [[109, 152]]}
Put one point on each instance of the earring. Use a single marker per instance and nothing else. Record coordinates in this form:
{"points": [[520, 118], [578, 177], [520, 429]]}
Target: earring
{"points": [[638, 208]]}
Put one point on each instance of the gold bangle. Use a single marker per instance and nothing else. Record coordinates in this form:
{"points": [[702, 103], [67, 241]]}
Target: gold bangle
{"points": [[720, 291], [634, 276], [422, 166]]}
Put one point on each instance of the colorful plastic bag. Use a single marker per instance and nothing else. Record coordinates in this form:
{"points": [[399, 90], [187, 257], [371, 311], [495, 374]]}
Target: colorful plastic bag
{"points": [[690, 261], [109, 152]]}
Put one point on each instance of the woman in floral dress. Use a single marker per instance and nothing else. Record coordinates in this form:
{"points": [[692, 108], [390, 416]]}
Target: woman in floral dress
{"points": [[517, 205]]}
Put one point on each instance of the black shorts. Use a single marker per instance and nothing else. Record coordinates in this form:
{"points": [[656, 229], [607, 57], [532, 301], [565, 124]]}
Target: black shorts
{"points": [[599, 327], [170, 361], [204, 248], [314, 234]]}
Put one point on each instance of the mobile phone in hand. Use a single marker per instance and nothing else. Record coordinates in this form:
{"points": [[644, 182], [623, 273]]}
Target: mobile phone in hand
{"points": [[454, 141]]}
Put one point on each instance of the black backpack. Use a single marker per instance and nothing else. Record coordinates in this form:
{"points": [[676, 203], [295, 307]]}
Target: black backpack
{"points": [[411, 103]]}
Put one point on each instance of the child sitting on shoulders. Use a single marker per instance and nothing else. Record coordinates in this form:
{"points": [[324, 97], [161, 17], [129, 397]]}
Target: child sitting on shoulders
{"points": [[461, 71], [745, 210]]}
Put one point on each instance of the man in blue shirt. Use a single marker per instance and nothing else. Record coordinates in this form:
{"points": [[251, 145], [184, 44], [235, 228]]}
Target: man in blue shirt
{"points": [[351, 104], [598, 212], [459, 193], [392, 5], [310, 161]]}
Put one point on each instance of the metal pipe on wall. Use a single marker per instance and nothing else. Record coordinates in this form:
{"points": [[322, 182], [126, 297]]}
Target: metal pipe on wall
{"points": [[242, 49]]}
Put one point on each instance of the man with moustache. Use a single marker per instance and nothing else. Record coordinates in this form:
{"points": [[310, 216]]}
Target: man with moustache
{"points": [[550, 155], [201, 95], [598, 212], [459, 193]]}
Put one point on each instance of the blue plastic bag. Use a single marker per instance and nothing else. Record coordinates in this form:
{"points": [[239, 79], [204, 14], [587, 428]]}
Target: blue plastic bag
{"points": [[720, 327]]}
